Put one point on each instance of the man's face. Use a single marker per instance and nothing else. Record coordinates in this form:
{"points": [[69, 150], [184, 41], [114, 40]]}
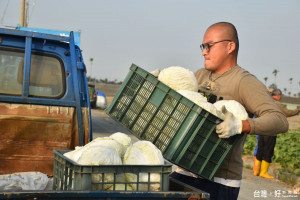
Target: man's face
{"points": [[217, 54], [276, 97]]}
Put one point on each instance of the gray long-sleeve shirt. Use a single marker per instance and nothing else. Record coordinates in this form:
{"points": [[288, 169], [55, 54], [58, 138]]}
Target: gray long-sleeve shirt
{"points": [[239, 85]]}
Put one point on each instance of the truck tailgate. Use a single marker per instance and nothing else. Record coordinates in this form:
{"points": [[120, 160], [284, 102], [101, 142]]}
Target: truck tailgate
{"points": [[30, 133]]}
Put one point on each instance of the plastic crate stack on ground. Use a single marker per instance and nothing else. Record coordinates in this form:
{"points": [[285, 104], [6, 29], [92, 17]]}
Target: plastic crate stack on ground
{"points": [[183, 131], [68, 175]]}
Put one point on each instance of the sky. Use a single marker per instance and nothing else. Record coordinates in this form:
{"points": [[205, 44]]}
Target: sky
{"points": [[156, 34]]}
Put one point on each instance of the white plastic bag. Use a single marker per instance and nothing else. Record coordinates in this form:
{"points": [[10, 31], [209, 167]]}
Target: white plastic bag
{"points": [[24, 181]]}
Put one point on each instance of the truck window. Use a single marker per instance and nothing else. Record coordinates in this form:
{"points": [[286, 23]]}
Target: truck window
{"points": [[47, 77], [9, 64]]}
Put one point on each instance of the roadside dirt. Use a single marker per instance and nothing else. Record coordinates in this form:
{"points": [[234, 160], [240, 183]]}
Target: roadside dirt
{"points": [[257, 183], [294, 122]]}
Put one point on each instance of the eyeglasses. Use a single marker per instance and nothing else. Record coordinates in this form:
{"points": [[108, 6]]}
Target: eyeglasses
{"points": [[207, 46]]}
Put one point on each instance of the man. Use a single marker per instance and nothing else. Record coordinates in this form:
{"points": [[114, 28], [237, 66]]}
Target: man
{"points": [[276, 95], [266, 143], [228, 81]]}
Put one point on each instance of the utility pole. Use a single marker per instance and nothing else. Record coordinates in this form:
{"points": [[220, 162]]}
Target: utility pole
{"points": [[91, 60], [23, 13]]}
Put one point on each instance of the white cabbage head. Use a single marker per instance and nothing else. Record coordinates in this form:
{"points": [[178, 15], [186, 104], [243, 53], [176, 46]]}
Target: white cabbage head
{"points": [[107, 141], [178, 78], [123, 139], [121, 184], [143, 153], [193, 96], [100, 141], [234, 107], [74, 155], [201, 101], [100, 155]]}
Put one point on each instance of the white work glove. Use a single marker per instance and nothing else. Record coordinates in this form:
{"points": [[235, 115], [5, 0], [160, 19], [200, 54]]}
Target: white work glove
{"points": [[230, 126]]}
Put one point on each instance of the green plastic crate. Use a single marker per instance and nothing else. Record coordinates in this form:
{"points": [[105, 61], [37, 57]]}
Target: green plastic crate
{"points": [[68, 175], [182, 130]]}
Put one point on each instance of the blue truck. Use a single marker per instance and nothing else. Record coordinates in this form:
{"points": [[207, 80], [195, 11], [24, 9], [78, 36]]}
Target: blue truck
{"points": [[44, 106]]}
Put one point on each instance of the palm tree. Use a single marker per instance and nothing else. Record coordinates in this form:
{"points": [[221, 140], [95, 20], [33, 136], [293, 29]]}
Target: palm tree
{"points": [[275, 72], [291, 81], [266, 79], [289, 93], [284, 90]]}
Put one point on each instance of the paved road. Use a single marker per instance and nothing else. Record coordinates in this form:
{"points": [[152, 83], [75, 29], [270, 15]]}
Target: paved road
{"points": [[252, 187]]}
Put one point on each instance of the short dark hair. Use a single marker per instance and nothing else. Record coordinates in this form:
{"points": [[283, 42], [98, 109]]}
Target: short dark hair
{"points": [[233, 32], [276, 92]]}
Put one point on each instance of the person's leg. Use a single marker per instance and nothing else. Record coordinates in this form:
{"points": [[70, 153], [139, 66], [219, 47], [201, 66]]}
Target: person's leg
{"points": [[255, 152], [217, 191], [199, 183], [228, 193], [256, 147], [259, 155], [269, 148], [260, 148], [270, 142]]}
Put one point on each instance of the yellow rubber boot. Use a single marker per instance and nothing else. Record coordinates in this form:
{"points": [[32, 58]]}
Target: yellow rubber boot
{"points": [[264, 170], [256, 167]]}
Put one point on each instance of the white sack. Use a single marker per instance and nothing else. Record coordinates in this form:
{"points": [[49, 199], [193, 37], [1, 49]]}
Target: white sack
{"points": [[24, 181]]}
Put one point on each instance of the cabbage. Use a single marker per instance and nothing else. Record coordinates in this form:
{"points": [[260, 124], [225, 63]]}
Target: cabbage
{"points": [[100, 155], [201, 101], [123, 139], [107, 141], [178, 78], [143, 153], [234, 107], [193, 96], [100, 141], [75, 154], [120, 185]]}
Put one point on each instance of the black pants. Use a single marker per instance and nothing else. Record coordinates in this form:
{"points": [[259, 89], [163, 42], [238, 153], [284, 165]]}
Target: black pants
{"points": [[265, 150], [217, 191]]}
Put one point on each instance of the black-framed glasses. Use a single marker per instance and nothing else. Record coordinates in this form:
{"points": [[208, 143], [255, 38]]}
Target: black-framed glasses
{"points": [[207, 46]]}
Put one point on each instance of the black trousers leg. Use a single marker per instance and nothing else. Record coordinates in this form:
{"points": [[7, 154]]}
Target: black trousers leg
{"points": [[217, 191], [266, 145]]}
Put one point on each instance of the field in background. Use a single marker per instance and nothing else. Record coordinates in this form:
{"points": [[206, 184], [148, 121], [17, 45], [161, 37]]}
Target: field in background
{"points": [[111, 89]]}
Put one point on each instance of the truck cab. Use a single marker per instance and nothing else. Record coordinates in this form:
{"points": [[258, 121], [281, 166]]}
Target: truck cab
{"points": [[44, 99]]}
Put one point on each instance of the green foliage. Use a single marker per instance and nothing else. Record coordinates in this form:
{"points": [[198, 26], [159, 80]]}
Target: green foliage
{"points": [[286, 153], [249, 145]]}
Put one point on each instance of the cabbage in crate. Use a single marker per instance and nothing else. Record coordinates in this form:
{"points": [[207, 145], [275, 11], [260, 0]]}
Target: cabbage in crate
{"points": [[100, 155], [179, 78], [123, 139], [100, 151], [143, 153]]}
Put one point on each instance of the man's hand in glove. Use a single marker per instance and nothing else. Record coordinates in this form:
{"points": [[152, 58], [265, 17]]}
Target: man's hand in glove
{"points": [[230, 126]]}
